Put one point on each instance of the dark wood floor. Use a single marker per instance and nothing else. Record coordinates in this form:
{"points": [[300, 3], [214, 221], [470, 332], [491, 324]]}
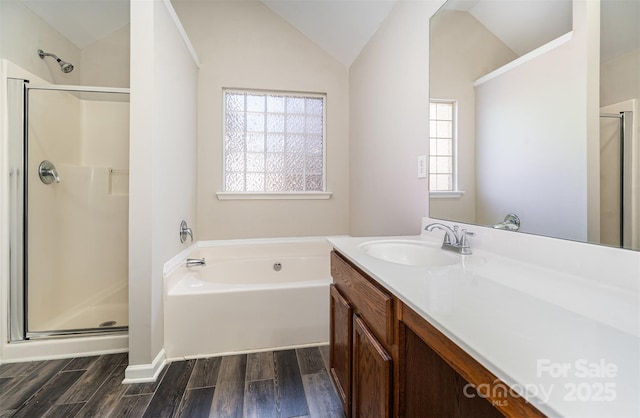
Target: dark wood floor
{"points": [[288, 383]]}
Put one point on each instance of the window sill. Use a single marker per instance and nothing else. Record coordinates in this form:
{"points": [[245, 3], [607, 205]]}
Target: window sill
{"points": [[455, 194], [273, 195]]}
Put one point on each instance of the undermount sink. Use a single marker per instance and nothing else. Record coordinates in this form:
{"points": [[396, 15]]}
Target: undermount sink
{"points": [[409, 253]]}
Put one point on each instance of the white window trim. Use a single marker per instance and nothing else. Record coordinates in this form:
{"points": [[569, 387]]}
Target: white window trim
{"points": [[274, 195], [315, 195], [450, 194]]}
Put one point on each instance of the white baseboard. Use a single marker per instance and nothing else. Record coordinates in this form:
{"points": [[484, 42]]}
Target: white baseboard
{"points": [[144, 373], [249, 351]]}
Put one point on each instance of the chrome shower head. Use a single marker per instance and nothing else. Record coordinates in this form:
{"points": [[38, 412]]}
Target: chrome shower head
{"points": [[65, 67]]}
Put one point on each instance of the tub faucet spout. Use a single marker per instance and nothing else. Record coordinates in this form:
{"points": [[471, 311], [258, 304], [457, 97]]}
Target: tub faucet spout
{"points": [[192, 262]]}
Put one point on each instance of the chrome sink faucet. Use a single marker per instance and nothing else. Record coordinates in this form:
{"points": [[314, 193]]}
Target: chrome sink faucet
{"points": [[454, 240]]}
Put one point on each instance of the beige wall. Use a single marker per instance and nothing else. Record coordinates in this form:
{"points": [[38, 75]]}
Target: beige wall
{"points": [[23, 33], [243, 44], [106, 61], [461, 51], [103, 63], [535, 137], [620, 79], [162, 163], [389, 99]]}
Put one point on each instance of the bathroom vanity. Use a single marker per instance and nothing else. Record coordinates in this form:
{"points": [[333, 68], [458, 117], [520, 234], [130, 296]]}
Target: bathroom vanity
{"points": [[379, 343], [410, 340]]}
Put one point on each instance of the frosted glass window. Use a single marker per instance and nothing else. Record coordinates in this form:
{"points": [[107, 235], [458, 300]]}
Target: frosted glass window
{"points": [[442, 141], [274, 142]]}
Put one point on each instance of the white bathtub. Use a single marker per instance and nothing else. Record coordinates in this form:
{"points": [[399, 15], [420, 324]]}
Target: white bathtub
{"points": [[239, 303]]}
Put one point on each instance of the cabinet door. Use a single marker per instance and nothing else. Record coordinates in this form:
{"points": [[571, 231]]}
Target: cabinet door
{"points": [[340, 347], [371, 374]]}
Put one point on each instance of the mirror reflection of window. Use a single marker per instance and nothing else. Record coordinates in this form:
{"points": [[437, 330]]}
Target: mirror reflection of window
{"points": [[529, 76], [442, 132]]}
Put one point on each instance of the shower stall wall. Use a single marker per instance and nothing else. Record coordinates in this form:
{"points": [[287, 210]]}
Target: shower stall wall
{"points": [[74, 207]]}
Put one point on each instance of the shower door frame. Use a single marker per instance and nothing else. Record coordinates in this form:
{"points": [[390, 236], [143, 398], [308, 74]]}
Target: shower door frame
{"points": [[628, 158], [16, 127], [18, 281]]}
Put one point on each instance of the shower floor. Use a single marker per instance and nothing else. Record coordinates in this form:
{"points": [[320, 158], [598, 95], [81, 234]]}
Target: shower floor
{"points": [[115, 314], [107, 310]]}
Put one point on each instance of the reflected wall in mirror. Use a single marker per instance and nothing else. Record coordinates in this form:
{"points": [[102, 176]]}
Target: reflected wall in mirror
{"points": [[545, 121]]}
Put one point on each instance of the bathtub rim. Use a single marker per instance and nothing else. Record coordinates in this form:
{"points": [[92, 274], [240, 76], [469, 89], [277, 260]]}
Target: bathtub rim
{"points": [[178, 259]]}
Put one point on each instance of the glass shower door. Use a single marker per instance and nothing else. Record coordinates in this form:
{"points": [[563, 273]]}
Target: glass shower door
{"points": [[76, 229]]}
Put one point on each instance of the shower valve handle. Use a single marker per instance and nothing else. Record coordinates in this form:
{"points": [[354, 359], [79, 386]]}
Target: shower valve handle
{"points": [[48, 173], [53, 173], [185, 232]]}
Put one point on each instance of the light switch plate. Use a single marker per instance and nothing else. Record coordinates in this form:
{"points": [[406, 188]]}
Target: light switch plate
{"points": [[422, 166]]}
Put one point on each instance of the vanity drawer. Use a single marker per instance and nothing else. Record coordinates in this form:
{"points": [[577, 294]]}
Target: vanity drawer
{"points": [[368, 300]]}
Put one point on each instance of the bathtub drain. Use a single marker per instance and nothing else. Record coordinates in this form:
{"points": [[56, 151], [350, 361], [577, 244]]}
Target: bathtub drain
{"points": [[277, 266], [107, 324]]}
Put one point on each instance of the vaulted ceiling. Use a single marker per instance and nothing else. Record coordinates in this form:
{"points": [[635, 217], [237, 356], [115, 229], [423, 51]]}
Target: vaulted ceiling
{"points": [[82, 21], [343, 27], [522, 25]]}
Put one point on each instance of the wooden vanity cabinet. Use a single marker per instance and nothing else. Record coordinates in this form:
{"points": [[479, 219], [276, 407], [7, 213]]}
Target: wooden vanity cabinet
{"points": [[438, 379], [371, 374], [439, 390], [386, 360], [340, 348], [361, 335]]}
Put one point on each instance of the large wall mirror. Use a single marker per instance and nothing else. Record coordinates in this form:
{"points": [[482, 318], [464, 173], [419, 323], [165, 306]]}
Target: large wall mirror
{"points": [[534, 112]]}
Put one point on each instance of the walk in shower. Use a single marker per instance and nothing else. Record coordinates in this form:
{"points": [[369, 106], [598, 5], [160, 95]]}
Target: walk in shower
{"points": [[69, 161], [619, 172]]}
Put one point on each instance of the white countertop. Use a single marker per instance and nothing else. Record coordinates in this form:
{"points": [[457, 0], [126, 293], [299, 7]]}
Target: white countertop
{"points": [[569, 345]]}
